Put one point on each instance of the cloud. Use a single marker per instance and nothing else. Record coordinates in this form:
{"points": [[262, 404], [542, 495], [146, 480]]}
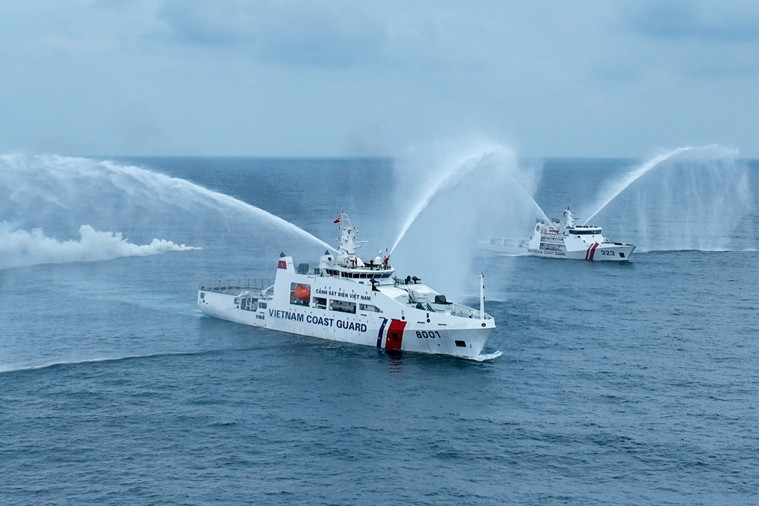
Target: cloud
{"points": [[71, 44], [719, 22], [322, 36], [219, 23], [672, 43], [325, 76], [330, 33]]}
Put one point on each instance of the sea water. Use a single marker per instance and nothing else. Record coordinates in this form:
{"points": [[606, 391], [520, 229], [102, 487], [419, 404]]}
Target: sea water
{"points": [[629, 383]]}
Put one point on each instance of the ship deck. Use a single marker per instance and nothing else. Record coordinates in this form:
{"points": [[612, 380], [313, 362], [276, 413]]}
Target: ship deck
{"points": [[236, 286]]}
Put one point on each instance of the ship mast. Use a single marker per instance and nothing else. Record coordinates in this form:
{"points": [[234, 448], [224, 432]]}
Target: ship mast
{"points": [[482, 296]]}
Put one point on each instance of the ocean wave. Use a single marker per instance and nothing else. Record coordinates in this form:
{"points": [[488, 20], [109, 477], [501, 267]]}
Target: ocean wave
{"points": [[8, 369]]}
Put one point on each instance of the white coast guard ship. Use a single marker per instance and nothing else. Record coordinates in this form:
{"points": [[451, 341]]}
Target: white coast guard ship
{"points": [[573, 241], [351, 300]]}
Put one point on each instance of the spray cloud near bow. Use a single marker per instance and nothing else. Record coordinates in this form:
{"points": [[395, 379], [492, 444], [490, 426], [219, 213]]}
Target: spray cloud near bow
{"points": [[451, 197]]}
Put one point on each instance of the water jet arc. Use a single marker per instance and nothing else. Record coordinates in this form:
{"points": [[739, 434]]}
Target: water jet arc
{"points": [[634, 176], [22, 175], [450, 178]]}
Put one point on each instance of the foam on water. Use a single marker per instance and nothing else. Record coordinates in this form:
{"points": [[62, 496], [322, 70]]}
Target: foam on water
{"points": [[487, 357], [98, 360]]}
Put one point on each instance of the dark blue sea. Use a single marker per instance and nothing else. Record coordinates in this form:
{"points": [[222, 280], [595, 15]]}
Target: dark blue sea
{"points": [[629, 383]]}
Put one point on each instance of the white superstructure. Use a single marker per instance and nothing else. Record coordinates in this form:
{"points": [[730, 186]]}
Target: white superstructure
{"points": [[582, 242], [351, 300]]}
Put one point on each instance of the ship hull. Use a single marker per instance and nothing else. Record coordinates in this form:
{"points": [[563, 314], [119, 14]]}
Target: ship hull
{"points": [[593, 252]]}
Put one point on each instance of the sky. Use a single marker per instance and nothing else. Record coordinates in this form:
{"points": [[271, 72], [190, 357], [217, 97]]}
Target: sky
{"points": [[548, 78]]}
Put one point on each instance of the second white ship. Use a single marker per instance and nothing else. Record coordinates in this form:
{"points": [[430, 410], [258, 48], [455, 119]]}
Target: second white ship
{"points": [[581, 242]]}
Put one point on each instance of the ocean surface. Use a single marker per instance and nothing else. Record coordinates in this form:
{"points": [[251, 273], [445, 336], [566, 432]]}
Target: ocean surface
{"points": [[631, 383]]}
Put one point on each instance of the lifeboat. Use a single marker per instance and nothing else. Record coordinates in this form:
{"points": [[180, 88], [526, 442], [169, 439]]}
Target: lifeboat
{"points": [[302, 292]]}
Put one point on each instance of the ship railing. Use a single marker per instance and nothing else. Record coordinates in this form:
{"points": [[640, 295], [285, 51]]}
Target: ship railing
{"points": [[463, 311], [236, 285]]}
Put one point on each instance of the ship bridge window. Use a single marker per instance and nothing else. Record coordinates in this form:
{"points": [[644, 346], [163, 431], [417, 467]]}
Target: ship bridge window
{"points": [[343, 306], [300, 294]]}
